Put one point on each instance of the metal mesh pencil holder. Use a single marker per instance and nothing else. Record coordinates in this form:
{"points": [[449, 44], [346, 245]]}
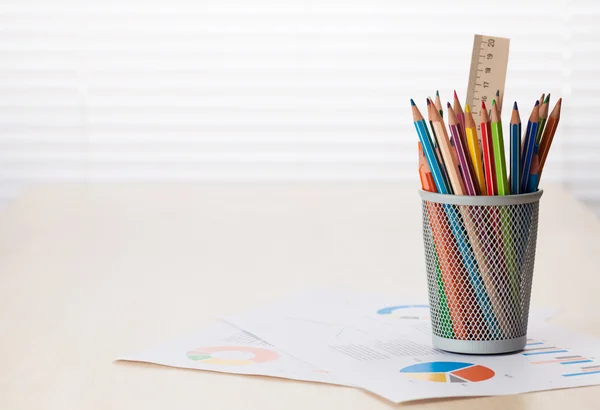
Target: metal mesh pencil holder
{"points": [[479, 254]]}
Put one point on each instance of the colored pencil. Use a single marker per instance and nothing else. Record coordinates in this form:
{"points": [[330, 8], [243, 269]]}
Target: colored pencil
{"points": [[498, 101], [548, 136], [529, 145], [445, 246], [487, 148], [455, 287], [438, 154], [491, 233], [448, 325], [427, 184], [438, 103], [446, 149], [460, 116], [498, 148], [482, 276], [474, 151], [543, 117], [425, 139], [515, 151], [532, 182], [500, 218], [461, 152]]}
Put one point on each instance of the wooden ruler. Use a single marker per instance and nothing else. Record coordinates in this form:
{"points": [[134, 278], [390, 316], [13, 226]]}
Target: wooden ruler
{"points": [[489, 62]]}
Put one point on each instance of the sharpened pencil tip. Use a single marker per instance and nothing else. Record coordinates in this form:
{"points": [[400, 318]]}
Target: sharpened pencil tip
{"points": [[467, 108], [455, 96], [497, 93], [483, 105], [493, 102], [449, 105], [412, 103], [547, 99], [515, 107], [437, 93], [537, 102], [428, 101]]}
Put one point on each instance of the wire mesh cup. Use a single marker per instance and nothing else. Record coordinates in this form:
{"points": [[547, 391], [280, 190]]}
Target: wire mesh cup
{"points": [[479, 255]]}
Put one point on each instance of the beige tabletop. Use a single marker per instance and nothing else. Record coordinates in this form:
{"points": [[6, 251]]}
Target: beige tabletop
{"points": [[91, 272]]}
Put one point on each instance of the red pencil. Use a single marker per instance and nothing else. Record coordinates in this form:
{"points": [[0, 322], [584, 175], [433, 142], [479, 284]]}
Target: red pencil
{"points": [[488, 154]]}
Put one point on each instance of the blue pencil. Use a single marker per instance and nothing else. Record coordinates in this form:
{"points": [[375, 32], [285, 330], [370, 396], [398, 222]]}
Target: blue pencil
{"points": [[515, 151], [425, 138], [534, 176], [529, 145]]}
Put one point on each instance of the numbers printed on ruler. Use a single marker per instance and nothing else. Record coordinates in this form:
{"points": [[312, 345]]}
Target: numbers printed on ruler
{"points": [[489, 63]]}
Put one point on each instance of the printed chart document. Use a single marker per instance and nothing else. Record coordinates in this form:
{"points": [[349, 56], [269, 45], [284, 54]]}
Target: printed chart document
{"points": [[386, 349], [222, 347]]}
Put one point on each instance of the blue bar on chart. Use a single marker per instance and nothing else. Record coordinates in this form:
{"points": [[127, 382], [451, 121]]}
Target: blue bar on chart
{"points": [[545, 352], [537, 347], [575, 359], [585, 371]]}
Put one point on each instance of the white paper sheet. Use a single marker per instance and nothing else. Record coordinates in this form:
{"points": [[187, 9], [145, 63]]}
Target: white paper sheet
{"points": [[374, 346], [222, 347]]}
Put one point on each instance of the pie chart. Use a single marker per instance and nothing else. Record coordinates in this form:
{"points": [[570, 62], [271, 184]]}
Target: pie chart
{"points": [[206, 355], [448, 372], [406, 311]]}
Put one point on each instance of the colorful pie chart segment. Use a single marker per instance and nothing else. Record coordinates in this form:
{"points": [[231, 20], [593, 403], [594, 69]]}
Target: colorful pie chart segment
{"points": [[406, 311], [206, 355], [448, 372]]}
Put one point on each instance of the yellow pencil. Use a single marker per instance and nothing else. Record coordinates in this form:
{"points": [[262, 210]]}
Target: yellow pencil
{"points": [[474, 151]]}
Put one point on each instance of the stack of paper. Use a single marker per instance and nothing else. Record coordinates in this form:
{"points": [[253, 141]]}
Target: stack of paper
{"points": [[384, 346]]}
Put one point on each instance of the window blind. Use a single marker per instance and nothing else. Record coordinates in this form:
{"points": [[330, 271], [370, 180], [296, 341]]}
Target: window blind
{"points": [[289, 90]]}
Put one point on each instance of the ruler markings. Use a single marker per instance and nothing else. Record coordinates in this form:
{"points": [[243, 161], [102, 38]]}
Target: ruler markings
{"points": [[489, 63]]}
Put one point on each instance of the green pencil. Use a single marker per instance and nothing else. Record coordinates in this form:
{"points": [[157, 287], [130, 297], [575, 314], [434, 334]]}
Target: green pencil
{"points": [[504, 189], [445, 318], [498, 148]]}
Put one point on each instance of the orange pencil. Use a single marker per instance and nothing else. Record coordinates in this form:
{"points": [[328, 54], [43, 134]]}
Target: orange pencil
{"points": [[427, 182]]}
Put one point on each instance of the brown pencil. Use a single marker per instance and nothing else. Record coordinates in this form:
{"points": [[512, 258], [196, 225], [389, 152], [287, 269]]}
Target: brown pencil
{"points": [[438, 104], [548, 136], [460, 116]]}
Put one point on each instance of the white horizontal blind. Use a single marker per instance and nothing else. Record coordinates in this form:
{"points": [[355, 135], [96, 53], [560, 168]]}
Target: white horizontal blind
{"points": [[173, 90], [582, 143]]}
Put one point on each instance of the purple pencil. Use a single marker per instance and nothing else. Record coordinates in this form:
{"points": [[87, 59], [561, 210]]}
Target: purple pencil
{"points": [[461, 152]]}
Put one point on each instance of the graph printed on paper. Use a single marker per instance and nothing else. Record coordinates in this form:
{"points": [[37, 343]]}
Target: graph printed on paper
{"points": [[543, 353]]}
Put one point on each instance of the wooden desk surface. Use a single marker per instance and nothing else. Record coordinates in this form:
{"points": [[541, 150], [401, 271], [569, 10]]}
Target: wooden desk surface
{"points": [[90, 272]]}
